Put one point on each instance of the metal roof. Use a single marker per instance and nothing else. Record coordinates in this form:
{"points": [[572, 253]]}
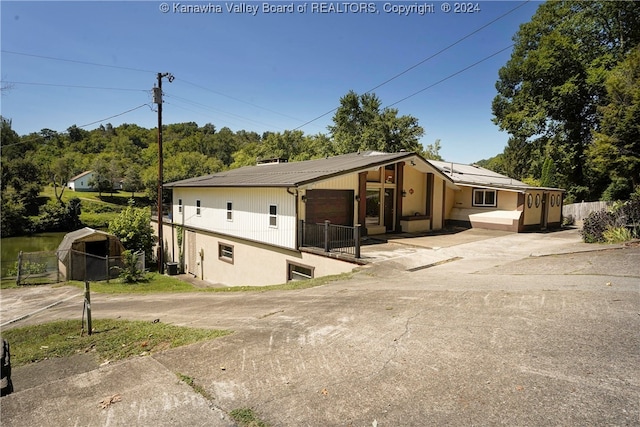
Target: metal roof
{"points": [[474, 175], [295, 173]]}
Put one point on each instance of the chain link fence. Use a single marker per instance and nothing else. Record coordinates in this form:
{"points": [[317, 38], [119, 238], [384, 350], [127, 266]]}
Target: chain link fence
{"points": [[38, 268]]}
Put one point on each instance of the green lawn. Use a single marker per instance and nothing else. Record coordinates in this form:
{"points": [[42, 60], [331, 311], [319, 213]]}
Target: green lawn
{"points": [[159, 283], [111, 339], [98, 210]]}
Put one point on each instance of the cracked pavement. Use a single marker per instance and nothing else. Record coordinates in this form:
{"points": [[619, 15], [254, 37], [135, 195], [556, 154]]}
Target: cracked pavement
{"points": [[520, 330]]}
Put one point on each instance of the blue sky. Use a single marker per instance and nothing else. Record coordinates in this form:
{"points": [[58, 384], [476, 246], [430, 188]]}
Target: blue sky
{"points": [[262, 72]]}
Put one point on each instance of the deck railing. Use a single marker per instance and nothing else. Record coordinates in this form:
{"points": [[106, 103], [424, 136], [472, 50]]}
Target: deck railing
{"points": [[330, 237]]}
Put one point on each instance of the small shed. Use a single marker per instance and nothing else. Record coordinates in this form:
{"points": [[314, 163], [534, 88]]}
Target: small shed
{"points": [[89, 254]]}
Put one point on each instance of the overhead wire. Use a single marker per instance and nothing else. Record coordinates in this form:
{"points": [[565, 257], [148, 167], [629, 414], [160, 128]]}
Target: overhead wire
{"points": [[73, 86], [273, 111], [423, 61]]}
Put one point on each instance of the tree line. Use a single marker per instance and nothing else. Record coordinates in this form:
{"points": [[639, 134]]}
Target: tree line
{"points": [[127, 155], [569, 98]]}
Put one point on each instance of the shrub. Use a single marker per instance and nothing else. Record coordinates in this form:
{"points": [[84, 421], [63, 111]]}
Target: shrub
{"points": [[28, 267], [596, 224], [622, 216], [617, 234], [130, 273]]}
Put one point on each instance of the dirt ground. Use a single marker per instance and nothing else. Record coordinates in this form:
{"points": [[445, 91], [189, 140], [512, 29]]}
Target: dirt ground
{"points": [[522, 330]]}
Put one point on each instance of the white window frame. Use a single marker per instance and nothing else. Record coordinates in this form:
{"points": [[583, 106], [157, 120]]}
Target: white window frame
{"points": [[225, 252], [273, 218], [229, 211], [198, 208], [484, 197], [291, 268]]}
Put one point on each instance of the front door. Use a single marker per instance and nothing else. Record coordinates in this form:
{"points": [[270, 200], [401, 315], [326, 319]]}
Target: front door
{"points": [[545, 212], [389, 218]]}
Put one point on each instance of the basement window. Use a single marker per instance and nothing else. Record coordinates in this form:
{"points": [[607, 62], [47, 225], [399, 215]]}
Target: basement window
{"points": [[297, 272], [484, 198], [225, 252]]}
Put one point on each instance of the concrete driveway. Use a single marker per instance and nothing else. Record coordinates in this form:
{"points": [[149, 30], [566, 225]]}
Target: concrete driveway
{"points": [[515, 329]]}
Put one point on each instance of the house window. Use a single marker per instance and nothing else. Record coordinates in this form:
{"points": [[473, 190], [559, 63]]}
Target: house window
{"points": [[273, 215], [484, 197], [198, 207], [299, 272], [553, 201], [229, 211], [179, 205], [390, 174], [225, 252], [373, 207], [537, 200], [529, 200]]}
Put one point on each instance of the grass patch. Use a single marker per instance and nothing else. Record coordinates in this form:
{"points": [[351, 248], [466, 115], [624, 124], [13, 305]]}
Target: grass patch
{"points": [[190, 381], [155, 283], [159, 283], [111, 339], [246, 417]]}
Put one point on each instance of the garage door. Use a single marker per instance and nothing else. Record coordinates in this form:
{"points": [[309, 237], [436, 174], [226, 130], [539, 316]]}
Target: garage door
{"points": [[333, 205]]}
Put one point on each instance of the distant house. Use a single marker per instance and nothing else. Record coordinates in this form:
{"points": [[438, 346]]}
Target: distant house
{"points": [[260, 224], [486, 199], [81, 182]]}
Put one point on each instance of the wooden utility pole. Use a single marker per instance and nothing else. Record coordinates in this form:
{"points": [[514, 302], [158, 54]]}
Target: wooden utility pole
{"points": [[157, 98]]}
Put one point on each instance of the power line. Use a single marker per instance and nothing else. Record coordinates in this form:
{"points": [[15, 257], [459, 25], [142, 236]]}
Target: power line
{"points": [[206, 107], [144, 71], [81, 126], [238, 99], [423, 61], [448, 47], [115, 115], [74, 86], [95, 64], [452, 75]]}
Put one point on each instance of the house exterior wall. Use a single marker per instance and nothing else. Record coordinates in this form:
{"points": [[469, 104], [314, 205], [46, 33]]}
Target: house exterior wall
{"points": [[536, 201], [253, 264], [250, 214], [414, 186], [82, 183]]}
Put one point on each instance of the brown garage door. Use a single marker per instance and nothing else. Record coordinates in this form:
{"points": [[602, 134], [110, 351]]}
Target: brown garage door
{"points": [[333, 205]]}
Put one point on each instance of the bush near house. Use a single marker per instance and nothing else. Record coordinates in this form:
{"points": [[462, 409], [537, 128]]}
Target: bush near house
{"points": [[619, 223]]}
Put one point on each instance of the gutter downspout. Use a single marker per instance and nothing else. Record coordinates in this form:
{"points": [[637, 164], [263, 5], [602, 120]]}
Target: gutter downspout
{"points": [[296, 231]]}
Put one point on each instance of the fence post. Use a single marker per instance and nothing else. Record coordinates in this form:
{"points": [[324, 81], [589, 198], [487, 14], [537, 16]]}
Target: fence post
{"points": [[327, 246], [87, 305], [19, 272], [356, 238]]}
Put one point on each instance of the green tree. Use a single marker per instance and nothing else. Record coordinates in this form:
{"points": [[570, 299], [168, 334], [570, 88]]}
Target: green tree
{"points": [[132, 180], [61, 170], [615, 152], [361, 124], [432, 151], [553, 83], [548, 175], [133, 227], [101, 181]]}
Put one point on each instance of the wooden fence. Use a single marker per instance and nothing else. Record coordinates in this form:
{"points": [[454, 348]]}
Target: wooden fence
{"points": [[580, 211]]}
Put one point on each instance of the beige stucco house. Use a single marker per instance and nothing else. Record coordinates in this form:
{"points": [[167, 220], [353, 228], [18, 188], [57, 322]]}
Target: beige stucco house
{"points": [[282, 221]]}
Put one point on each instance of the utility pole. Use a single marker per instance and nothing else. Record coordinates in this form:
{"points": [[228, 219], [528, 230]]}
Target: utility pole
{"points": [[157, 99]]}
